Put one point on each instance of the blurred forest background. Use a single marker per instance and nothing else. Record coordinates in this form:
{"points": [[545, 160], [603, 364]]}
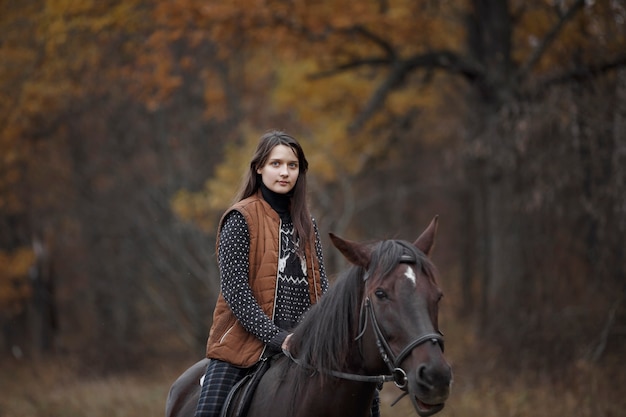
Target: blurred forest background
{"points": [[125, 127]]}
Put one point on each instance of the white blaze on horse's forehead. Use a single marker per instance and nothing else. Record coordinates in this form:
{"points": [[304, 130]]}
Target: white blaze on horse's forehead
{"points": [[410, 274]]}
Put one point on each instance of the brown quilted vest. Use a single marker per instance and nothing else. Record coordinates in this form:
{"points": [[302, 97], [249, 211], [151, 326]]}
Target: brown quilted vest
{"points": [[228, 340]]}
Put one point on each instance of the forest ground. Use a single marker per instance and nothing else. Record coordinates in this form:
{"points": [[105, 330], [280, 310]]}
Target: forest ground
{"points": [[53, 387]]}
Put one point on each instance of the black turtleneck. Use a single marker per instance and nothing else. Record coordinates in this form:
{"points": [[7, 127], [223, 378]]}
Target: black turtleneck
{"points": [[279, 202]]}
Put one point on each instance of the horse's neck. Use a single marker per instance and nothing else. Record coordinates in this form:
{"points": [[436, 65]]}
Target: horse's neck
{"points": [[338, 398], [333, 397]]}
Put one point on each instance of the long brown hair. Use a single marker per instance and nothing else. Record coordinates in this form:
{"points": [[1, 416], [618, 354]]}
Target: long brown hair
{"points": [[298, 208]]}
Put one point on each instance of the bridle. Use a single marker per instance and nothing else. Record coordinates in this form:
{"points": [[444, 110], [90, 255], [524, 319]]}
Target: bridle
{"points": [[393, 362], [397, 374]]}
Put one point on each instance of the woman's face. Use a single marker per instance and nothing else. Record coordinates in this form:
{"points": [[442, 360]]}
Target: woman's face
{"points": [[281, 170]]}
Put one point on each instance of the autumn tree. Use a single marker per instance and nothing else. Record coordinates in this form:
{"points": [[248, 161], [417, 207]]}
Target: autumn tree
{"points": [[494, 72], [124, 127], [92, 152]]}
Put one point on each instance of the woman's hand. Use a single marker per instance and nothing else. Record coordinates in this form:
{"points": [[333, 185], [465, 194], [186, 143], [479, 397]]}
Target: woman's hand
{"points": [[285, 345]]}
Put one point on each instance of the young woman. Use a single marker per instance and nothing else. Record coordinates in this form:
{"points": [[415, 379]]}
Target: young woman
{"points": [[271, 267]]}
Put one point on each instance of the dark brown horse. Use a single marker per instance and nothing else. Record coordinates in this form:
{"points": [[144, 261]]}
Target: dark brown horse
{"points": [[377, 323]]}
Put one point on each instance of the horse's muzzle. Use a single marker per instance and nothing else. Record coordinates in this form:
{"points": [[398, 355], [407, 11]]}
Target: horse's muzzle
{"points": [[429, 388]]}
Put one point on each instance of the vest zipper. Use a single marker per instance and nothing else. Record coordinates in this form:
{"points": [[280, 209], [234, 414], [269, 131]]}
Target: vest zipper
{"points": [[314, 253], [226, 334], [280, 231]]}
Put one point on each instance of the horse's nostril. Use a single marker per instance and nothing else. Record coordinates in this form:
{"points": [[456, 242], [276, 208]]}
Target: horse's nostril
{"points": [[423, 378], [431, 378]]}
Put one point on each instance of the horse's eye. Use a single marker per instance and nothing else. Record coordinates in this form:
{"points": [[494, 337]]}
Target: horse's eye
{"points": [[380, 294]]}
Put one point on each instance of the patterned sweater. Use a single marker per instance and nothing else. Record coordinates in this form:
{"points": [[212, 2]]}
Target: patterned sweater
{"points": [[292, 294]]}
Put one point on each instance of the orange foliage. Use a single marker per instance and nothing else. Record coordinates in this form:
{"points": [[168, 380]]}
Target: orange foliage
{"points": [[294, 41], [15, 287], [204, 208], [55, 52], [52, 52], [297, 41]]}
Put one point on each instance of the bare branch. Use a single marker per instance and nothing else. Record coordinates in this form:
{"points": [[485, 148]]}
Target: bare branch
{"points": [[445, 60], [583, 73], [348, 66], [394, 78], [548, 39], [382, 43]]}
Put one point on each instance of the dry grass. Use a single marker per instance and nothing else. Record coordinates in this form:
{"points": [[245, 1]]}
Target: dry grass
{"points": [[52, 389], [584, 390], [56, 389]]}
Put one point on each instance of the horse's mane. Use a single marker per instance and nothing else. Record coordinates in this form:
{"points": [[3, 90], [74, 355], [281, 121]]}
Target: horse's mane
{"points": [[322, 340]]}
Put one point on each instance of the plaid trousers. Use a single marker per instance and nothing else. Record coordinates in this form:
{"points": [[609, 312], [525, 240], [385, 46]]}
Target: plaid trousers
{"points": [[220, 377]]}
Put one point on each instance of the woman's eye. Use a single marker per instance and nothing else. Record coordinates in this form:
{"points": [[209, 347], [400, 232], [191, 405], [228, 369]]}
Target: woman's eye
{"points": [[380, 294]]}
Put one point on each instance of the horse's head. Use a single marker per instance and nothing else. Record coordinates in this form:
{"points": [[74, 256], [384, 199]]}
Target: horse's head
{"points": [[399, 315]]}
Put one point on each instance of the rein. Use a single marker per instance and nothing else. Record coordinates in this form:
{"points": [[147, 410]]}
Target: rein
{"points": [[377, 379], [396, 373]]}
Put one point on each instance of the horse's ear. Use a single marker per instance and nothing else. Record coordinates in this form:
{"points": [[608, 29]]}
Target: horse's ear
{"points": [[426, 241], [357, 253]]}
